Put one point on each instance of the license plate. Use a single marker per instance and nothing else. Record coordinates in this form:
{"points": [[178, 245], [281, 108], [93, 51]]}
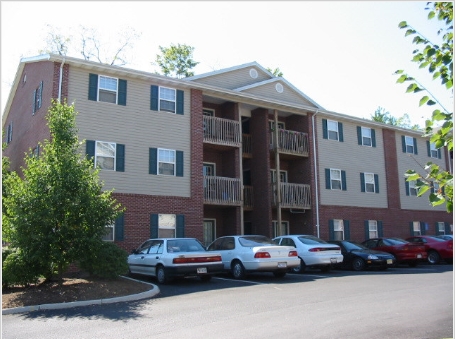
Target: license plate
{"points": [[333, 260], [201, 270], [282, 265], [389, 261], [419, 255]]}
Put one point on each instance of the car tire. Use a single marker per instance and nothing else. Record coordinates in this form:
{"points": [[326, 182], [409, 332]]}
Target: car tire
{"points": [[206, 278], [237, 270], [433, 257], [299, 269], [358, 264], [279, 274], [161, 275]]}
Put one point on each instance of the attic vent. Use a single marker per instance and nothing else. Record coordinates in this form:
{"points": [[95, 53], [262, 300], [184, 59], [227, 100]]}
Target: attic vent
{"points": [[253, 73], [279, 88]]}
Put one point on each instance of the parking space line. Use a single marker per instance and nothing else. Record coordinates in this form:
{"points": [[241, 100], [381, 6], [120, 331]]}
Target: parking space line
{"points": [[239, 280]]}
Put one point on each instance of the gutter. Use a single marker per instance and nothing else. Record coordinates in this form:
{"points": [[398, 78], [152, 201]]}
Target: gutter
{"points": [[60, 80], [316, 174]]}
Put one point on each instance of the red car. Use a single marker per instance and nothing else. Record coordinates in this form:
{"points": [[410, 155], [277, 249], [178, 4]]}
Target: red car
{"points": [[436, 248], [403, 250]]}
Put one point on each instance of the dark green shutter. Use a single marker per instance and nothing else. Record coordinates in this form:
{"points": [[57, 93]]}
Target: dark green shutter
{"points": [[180, 97], [359, 135], [376, 183], [90, 149], [179, 163], [93, 87], [406, 185], [373, 138], [423, 229], [415, 145], [411, 228], [154, 98], [343, 181], [340, 132], [331, 230], [436, 229], [120, 158], [366, 226], [180, 227], [439, 153], [347, 231], [403, 143], [428, 149], [325, 133], [40, 95], [447, 227], [153, 225], [153, 160], [362, 182], [380, 229], [34, 102], [119, 228], [121, 92], [328, 184]]}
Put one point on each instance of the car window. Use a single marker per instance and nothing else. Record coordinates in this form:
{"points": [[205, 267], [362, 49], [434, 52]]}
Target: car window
{"points": [[155, 247], [395, 241], [288, 242], [371, 243], [228, 244], [435, 239], [353, 246], [216, 245], [143, 249], [255, 240], [311, 240]]}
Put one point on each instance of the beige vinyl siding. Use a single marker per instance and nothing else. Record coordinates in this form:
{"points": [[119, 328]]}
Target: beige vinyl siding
{"points": [[288, 94], [354, 159], [138, 128], [234, 79], [407, 161]]}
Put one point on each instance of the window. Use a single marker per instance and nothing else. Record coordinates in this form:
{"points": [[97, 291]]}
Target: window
{"points": [[272, 125], [208, 169], [412, 188], [166, 225], [435, 188], [105, 155], [433, 152], [338, 229], [409, 144], [107, 89], [283, 230], [373, 229], [166, 99], [208, 112], [209, 231], [441, 228], [335, 179], [283, 176], [166, 162], [109, 235], [366, 136], [416, 228], [332, 130], [369, 182], [9, 133], [35, 152], [332, 127], [38, 97]]}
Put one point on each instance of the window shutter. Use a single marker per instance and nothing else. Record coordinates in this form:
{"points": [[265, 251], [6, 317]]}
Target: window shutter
{"points": [[376, 183], [366, 226], [340, 132], [180, 96], [380, 229], [359, 135], [154, 98], [119, 228], [153, 225], [93, 87], [343, 181], [180, 227], [436, 229], [423, 229], [34, 102], [121, 92], [325, 133], [373, 138], [120, 158], [40, 94], [362, 182], [331, 230], [439, 153], [347, 231], [415, 145], [327, 179], [179, 163], [90, 149], [447, 227], [403, 143], [406, 183], [428, 148], [153, 161], [411, 228]]}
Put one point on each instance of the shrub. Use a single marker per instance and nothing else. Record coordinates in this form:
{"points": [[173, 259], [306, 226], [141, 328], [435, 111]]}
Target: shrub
{"points": [[107, 261], [16, 270]]}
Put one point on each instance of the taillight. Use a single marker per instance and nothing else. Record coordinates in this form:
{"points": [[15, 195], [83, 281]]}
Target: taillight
{"points": [[183, 260], [315, 249], [292, 254], [262, 255]]}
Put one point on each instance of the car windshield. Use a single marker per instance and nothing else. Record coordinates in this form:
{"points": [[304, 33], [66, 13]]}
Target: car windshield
{"points": [[353, 246], [311, 240], [394, 241], [184, 245], [436, 238], [255, 240]]}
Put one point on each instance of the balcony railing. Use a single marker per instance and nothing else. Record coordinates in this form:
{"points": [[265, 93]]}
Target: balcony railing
{"points": [[221, 131], [222, 191], [291, 142], [248, 197], [296, 196]]}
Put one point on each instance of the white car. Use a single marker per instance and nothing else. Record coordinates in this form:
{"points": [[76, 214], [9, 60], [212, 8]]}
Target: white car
{"points": [[248, 253], [312, 251], [165, 258]]}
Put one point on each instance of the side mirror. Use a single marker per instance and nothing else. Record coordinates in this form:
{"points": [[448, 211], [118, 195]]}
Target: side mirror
{"points": [[133, 251]]}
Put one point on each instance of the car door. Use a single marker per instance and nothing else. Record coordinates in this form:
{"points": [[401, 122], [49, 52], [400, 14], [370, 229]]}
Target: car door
{"points": [[152, 257], [136, 259]]}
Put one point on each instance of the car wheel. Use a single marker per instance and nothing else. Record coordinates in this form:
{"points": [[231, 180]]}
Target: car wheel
{"points": [[206, 277], [238, 271], [161, 275], [279, 274], [325, 268], [299, 269], [358, 264], [433, 257]]}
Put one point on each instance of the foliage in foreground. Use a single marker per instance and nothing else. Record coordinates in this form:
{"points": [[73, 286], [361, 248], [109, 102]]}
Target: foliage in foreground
{"points": [[107, 261]]}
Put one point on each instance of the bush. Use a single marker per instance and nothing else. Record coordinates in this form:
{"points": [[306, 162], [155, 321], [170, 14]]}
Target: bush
{"points": [[16, 270], [107, 261]]}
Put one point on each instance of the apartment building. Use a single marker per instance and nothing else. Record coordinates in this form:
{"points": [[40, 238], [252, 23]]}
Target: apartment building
{"points": [[234, 151]]}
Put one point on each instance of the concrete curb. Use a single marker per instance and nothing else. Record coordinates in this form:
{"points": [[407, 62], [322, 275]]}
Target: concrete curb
{"points": [[144, 295]]}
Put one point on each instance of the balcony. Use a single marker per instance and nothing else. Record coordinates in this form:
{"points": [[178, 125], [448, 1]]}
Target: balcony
{"points": [[248, 198], [291, 142], [222, 191], [296, 196], [221, 131]]}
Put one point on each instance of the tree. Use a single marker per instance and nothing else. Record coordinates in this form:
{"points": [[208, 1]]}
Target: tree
{"points": [[91, 46], [438, 59], [381, 115], [57, 213], [276, 72], [176, 61]]}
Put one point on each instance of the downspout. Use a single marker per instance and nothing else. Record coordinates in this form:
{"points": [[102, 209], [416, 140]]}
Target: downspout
{"points": [[60, 81], [316, 174]]}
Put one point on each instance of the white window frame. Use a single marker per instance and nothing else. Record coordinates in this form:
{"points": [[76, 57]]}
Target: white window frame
{"points": [[209, 229], [211, 166], [102, 87], [208, 112], [413, 189], [433, 150], [99, 155], [163, 159], [369, 182], [441, 228], [283, 176], [338, 229], [367, 139], [167, 224], [435, 187], [409, 142], [109, 236], [162, 97], [416, 228], [373, 229], [281, 125], [283, 230], [335, 178], [332, 130]]}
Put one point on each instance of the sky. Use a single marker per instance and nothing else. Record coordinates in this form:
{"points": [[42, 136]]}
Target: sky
{"points": [[342, 54]]}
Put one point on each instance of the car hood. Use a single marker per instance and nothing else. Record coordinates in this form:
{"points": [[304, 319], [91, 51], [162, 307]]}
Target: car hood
{"points": [[377, 253]]}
